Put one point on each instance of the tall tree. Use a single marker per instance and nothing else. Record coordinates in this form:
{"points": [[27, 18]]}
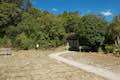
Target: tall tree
{"points": [[23, 4], [114, 30], [92, 30], [12, 1], [10, 14], [71, 21]]}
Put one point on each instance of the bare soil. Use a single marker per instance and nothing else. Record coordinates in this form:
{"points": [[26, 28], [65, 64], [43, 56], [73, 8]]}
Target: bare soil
{"points": [[36, 65]]}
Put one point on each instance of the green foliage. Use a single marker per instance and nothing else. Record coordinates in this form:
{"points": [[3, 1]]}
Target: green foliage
{"points": [[12, 1], [117, 52], [109, 48], [71, 21], [9, 15], [23, 42], [92, 31], [113, 34], [113, 30], [45, 30], [5, 42]]}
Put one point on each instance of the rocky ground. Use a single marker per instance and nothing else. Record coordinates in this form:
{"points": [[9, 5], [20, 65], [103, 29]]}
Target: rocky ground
{"points": [[36, 65]]}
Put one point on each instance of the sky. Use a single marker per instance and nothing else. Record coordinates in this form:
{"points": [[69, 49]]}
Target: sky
{"points": [[107, 8]]}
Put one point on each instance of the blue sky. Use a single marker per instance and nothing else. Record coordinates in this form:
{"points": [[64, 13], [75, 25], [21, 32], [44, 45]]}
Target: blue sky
{"points": [[108, 8]]}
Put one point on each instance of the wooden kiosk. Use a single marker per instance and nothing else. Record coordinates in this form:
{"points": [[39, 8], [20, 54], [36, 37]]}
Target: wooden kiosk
{"points": [[73, 41]]}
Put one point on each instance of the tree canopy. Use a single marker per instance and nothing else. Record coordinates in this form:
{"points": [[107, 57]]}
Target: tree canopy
{"points": [[92, 31], [10, 15]]}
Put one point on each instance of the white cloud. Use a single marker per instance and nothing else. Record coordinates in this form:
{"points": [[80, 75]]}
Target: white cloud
{"points": [[54, 9], [107, 13]]}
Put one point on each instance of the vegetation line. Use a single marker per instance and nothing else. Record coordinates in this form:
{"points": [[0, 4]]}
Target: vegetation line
{"points": [[23, 27]]}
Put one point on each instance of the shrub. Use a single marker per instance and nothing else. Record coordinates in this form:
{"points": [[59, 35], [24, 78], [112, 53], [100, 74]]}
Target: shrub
{"points": [[109, 49], [117, 52], [5, 42], [23, 42]]}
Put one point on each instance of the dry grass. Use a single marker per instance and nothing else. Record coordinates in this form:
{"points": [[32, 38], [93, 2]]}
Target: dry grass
{"points": [[36, 65], [107, 61]]}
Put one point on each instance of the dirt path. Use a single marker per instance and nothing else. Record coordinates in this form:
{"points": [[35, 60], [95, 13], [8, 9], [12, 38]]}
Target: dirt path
{"points": [[36, 65], [89, 68], [101, 60]]}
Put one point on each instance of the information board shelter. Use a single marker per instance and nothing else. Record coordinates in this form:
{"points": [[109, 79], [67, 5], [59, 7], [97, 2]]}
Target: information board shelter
{"points": [[73, 41]]}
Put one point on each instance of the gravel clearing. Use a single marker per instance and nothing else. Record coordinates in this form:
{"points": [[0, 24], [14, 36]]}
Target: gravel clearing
{"points": [[89, 68], [36, 65]]}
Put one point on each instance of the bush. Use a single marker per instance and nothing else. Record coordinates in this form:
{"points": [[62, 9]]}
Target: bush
{"points": [[112, 49], [23, 42], [117, 52], [109, 49], [5, 42]]}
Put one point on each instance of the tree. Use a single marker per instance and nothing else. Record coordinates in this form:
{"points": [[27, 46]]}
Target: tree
{"points": [[114, 31], [52, 26], [43, 29], [10, 14], [71, 21], [23, 4], [32, 26], [12, 1], [91, 30]]}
